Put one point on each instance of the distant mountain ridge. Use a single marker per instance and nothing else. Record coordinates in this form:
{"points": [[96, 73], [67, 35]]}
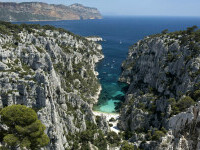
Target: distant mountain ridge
{"points": [[38, 11]]}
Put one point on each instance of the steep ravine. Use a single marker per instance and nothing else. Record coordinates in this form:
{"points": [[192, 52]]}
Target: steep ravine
{"points": [[52, 70], [161, 110]]}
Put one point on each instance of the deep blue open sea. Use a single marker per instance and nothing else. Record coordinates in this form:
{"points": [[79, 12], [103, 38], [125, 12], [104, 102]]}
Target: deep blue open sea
{"points": [[120, 33]]}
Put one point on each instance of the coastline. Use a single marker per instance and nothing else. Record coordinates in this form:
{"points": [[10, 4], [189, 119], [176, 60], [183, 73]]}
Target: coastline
{"points": [[108, 116], [96, 60], [96, 97], [105, 112], [55, 20]]}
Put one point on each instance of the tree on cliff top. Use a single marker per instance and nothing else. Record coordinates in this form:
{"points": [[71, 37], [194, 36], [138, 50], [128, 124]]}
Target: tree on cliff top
{"points": [[24, 129]]}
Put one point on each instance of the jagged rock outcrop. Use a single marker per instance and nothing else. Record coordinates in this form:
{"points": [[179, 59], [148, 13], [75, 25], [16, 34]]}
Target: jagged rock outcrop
{"points": [[183, 131], [52, 71], [163, 76], [94, 38], [35, 11]]}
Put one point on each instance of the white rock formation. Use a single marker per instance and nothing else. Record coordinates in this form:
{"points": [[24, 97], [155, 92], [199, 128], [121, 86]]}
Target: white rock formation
{"points": [[53, 73], [158, 68]]}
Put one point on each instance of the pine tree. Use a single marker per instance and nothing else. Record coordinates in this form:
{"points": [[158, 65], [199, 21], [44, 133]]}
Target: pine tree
{"points": [[24, 128]]}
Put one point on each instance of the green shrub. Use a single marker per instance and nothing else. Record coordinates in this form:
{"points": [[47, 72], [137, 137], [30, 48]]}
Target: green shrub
{"points": [[191, 29], [101, 142], [113, 138], [26, 67], [163, 130], [196, 95], [98, 119], [112, 119], [126, 134], [185, 103], [181, 105], [127, 146], [39, 49], [174, 108], [165, 31], [80, 140], [141, 106], [110, 125], [25, 129], [157, 135], [11, 140], [86, 136]]}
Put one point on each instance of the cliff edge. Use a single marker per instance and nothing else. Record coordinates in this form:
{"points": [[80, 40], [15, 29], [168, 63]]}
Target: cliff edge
{"points": [[37, 11], [161, 111], [51, 70]]}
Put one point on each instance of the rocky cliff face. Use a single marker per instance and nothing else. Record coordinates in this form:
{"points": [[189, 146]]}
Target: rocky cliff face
{"points": [[52, 71], [163, 76], [35, 11]]}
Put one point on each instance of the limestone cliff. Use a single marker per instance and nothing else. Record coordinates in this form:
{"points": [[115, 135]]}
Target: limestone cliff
{"points": [[163, 73], [36, 11], [52, 71]]}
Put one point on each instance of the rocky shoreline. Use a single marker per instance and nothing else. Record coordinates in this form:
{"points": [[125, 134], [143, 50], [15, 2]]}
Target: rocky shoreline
{"points": [[38, 11], [50, 69], [94, 38], [161, 103], [112, 118], [53, 71]]}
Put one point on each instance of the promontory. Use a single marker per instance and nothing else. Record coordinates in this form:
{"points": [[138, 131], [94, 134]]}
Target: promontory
{"points": [[37, 11]]}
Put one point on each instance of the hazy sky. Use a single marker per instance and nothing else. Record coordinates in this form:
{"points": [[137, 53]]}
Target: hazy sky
{"points": [[136, 7]]}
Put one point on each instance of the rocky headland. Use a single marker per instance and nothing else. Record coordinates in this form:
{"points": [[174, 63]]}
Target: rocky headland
{"points": [[94, 38], [51, 70], [161, 110], [37, 11]]}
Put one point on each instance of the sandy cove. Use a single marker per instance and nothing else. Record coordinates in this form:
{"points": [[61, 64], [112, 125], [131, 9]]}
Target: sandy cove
{"points": [[108, 117]]}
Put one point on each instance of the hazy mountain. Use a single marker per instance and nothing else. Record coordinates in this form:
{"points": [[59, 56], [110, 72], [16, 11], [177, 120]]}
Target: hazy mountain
{"points": [[34, 11]]}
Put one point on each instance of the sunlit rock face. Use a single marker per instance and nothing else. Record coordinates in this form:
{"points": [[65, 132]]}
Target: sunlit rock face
{"points": [[37, 11], [163, 76], [52, 71]]}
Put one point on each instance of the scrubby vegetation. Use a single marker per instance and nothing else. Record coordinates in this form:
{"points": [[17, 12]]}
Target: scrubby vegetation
{"points": [[181, 105], [8, 28], [167, 86], [127, 146], [155, 134], [95, 136], [43, 55], [69, 77], [24, 129]]}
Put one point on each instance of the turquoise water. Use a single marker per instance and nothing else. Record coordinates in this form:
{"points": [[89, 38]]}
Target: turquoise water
{"points": [[109, 106], [120, 33]]}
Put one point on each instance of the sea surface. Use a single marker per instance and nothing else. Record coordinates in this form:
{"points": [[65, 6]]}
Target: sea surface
{"points": [[119, 34]]}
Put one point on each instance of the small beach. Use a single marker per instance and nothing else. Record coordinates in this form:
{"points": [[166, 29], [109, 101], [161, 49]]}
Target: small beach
{"points": [[108, 116]]}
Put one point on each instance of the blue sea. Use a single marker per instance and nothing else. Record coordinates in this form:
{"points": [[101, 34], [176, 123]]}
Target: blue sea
{"points": [[119, 34]]}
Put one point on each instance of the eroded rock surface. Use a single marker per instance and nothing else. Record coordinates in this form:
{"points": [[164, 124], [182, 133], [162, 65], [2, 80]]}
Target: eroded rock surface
{"points": [[52, 71], [163, 76]]}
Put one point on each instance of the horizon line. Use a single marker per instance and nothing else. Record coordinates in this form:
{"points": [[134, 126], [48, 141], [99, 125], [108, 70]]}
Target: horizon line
{"points": [[118, 15]]}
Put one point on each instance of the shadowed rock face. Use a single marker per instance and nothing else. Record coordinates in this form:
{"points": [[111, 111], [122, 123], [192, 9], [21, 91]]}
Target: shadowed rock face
{"points": [[163, 75], [53, 72], [35, 11]]}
